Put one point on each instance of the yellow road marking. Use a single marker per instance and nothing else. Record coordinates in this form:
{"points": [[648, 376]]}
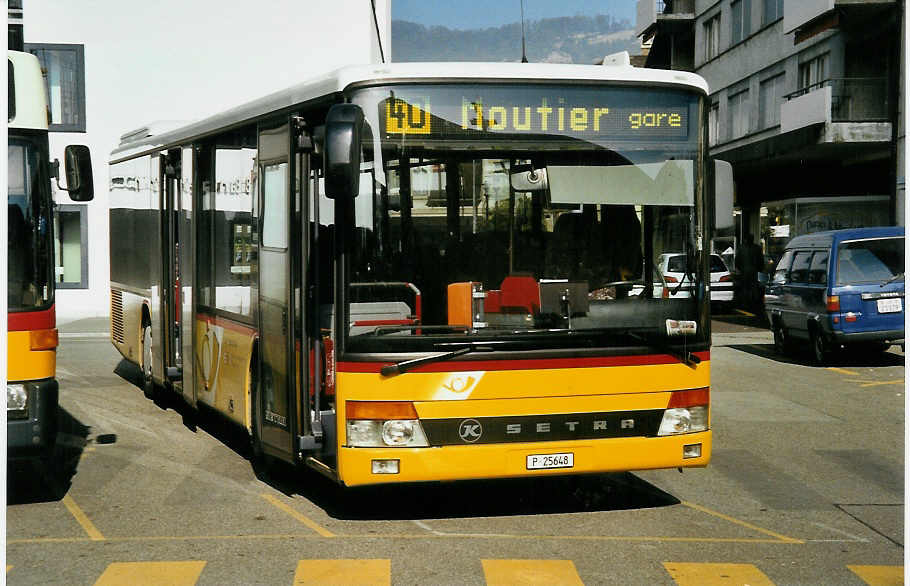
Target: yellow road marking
{"points": [[342, 572], [83, 520], [746, 313], [532, 572], [879, 575], [843, 371], [880, 383], [151, 573], [716, 574], [745, 524], [299, 516]]}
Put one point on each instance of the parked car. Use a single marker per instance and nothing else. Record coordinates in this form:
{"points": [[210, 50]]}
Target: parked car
{"points": [[672, 265], [839, 288]]}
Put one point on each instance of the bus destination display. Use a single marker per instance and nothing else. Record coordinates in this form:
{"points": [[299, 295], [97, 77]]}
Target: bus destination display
{"points": [[458, 117]]}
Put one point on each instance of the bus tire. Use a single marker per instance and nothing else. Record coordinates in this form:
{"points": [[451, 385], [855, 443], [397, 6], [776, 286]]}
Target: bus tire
{"points": [[146, 361]]}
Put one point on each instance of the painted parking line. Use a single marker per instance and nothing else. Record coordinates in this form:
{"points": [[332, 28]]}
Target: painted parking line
{"points": [[531, 572], [869, 383], [879, 575], [843, 371], [299, 516], [343, 572], [692, 574], [746, 524], [151, 573], [83, 519]]}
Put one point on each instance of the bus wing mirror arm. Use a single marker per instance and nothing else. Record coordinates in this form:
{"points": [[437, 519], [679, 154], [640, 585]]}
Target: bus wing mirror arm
{"points": [[343, 126]]}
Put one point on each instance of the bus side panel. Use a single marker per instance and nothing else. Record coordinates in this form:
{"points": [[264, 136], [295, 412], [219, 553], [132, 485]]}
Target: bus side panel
{"points": [[134, 252], [511, 396], [223, 352]]}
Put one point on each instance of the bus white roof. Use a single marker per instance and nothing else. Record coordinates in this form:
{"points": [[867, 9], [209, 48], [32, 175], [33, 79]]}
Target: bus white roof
{"points": [[342, 79]]}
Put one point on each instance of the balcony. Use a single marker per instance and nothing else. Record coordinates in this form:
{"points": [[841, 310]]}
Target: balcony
{"points": [[811, 16], [652, 13], [860, 101]]}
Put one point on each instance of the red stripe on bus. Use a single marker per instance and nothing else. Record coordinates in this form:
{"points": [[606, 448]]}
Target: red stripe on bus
{"points": [[386, 322], [528, 364], [22, 321]]}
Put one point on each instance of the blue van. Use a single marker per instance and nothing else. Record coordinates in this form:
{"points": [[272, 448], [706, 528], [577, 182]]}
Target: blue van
{"points": [[839, 288]]}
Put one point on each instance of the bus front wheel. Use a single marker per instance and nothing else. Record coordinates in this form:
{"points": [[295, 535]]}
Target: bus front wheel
{"points": [[148, 384]]}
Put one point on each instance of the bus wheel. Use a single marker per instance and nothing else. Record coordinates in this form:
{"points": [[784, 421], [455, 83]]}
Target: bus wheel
{"points": [[256, 453], [148, 385]]}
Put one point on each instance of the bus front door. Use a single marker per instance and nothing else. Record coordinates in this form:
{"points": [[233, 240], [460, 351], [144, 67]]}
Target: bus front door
{"points": [[171, 233], [272, 416]]}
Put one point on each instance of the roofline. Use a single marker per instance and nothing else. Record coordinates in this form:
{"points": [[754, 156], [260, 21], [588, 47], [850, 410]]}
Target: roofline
{"points": [[332, 85]]}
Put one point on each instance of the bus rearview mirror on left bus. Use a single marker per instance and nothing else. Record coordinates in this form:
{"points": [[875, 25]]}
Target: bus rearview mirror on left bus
{"points": [[343, 126], [78, 166]]}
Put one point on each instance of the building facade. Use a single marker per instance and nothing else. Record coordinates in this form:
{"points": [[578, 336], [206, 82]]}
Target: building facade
{"points": [[111, 67], [805, 102]]}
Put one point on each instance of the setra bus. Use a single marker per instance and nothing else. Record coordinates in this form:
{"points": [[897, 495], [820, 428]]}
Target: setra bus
{"points": [[421, 272], [31, 341]]}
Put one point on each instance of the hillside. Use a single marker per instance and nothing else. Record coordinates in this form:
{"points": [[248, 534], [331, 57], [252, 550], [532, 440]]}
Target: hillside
{"points": [[572, 39]]}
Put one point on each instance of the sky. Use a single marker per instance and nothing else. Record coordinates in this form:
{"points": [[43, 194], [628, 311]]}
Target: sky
{"points": [[471, 14]]}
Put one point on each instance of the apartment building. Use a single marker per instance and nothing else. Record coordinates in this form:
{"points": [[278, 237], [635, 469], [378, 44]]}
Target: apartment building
{"points": [[805, 102]]}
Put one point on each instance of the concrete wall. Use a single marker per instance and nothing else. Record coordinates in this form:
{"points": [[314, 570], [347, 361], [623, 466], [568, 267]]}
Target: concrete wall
{"points": [[178, 60]]}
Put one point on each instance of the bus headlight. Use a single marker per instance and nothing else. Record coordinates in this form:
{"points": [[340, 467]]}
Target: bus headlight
{"points": [[16, 398], [684, 420], [395, 433]]}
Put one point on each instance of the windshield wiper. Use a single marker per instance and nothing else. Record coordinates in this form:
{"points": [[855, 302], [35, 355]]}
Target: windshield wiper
{"points": [[684, 356], [402, 367], [896, 277]]}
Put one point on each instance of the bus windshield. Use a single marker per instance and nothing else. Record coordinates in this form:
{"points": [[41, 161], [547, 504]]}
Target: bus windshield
{"points": [[29, 256], [529, 216]]}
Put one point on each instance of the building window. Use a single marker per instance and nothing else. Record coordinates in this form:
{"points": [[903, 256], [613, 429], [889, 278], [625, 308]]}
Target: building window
{"points": [[712, 37], [813, 73], [770, 93], [71, 246], [741, 17], [64, 79], [738, 105], [772, 10], [713, 112]]}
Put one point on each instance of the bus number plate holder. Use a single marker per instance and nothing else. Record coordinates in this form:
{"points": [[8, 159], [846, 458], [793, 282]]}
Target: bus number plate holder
{"points": [[550, 461]]}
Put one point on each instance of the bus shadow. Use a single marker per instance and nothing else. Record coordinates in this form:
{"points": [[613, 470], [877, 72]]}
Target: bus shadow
{"points": [[844, 358], [48, 480], [481, 498]]}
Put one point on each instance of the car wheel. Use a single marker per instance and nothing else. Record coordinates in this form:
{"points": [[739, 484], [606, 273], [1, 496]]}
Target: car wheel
{"points": [[820, 350], [780, 340]]}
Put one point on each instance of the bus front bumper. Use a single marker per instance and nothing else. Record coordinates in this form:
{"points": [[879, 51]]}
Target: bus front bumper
{"points": [[468, 462], [32, 432]]}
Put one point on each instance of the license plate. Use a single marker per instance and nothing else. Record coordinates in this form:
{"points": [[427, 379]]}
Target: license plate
{"points": [[549, 461], [889, 305]]}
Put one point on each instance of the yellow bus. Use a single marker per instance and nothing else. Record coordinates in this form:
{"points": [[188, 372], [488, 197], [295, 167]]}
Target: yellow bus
{"points": [[422, 272], [31, 338]]}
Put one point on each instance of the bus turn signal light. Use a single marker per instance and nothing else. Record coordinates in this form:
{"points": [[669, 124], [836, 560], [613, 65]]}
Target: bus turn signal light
{"points": [[380, 410], [43, 339]]}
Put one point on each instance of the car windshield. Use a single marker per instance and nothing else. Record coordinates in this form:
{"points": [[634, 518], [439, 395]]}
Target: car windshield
{"points": [[717, 264], [506, 239], [870, 261], [29, 253]]}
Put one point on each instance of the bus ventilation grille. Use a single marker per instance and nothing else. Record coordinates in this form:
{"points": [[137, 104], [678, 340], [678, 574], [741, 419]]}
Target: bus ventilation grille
{"points": [[117, 315]]}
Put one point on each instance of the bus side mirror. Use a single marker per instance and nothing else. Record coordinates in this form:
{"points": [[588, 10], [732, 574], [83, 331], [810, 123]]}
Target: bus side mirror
{"points": [[723, 195], [343, 126], [78, 165]]}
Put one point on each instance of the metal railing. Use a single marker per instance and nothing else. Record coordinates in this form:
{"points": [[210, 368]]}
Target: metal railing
{"points": [[853, 99]]}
